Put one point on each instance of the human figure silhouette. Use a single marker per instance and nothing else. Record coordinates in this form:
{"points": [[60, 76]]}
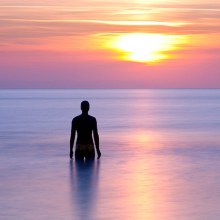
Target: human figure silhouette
{"points": [[86, 128]]}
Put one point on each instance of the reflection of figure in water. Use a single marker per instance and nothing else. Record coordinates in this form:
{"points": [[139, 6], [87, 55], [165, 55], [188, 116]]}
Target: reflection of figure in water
{"points": [[85, 125], [83, 187]]}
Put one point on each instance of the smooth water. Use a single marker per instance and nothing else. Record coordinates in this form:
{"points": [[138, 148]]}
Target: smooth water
{"points": [[160, 155]]}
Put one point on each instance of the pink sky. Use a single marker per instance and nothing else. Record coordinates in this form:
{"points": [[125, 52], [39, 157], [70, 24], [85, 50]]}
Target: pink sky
{"points": [[65, 44]]}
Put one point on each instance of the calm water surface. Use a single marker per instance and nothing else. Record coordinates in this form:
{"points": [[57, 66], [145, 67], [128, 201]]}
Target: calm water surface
{"points": [[160, 155]]}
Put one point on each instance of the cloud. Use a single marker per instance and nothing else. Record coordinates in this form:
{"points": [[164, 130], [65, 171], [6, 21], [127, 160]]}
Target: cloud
{"points": [[51, 28], [24, 22]]}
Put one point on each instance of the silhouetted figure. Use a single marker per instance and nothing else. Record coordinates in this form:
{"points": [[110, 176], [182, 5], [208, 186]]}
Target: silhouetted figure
{"points": [[86, 127]]}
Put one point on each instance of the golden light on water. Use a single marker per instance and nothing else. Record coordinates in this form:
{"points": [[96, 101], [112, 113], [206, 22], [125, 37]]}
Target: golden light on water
{"points": [[146, 48]]}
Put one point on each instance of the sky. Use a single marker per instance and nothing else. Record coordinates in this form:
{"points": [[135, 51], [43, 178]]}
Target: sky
{"points": [[109, 44]]}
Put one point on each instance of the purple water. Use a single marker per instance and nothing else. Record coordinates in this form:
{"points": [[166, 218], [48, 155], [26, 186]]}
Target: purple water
{"points": [[160, 155]]}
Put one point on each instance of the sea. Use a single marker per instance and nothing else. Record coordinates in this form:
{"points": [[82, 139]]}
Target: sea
{"points": [[160, 155]]}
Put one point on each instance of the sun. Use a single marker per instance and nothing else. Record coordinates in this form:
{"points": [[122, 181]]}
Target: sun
{"points": [[146, 48]]}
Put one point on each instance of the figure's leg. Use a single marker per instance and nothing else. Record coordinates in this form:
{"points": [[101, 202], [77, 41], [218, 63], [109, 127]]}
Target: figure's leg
{"points": [[79, 156], [90, 156]]}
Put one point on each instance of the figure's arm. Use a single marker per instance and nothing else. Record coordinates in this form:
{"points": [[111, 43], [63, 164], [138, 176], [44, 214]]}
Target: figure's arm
{"points": [[96, 139], [72, 138]]}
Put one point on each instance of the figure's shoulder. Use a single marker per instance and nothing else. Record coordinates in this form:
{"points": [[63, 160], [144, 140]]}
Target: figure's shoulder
{"points": [[92, 117], [76, 118], [84, 117]]}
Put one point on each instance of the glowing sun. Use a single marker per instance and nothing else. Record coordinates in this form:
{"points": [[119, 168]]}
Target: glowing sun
{"points": [[148, 48]]}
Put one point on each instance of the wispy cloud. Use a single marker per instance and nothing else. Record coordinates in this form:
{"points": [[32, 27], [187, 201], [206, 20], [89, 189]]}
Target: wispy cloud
{"points": [[38, 21], [62, 27]]}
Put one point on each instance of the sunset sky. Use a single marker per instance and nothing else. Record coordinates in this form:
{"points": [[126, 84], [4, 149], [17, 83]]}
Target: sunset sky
{"points": [[109, 44]]}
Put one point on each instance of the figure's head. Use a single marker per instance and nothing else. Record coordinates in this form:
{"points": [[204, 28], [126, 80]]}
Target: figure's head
{"points": [[85, 106]]}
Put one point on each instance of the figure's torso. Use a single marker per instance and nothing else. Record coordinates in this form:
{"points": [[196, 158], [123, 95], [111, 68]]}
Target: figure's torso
{"points": [[84, 125]]}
